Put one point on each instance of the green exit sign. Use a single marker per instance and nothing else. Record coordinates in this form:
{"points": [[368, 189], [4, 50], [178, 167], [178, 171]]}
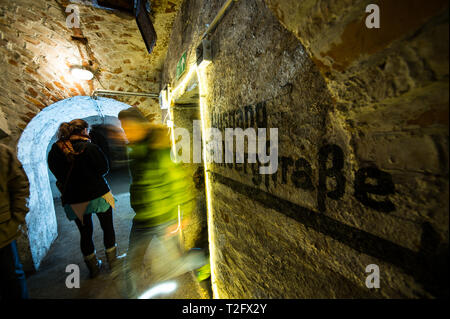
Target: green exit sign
{"points": [[181, 65]]}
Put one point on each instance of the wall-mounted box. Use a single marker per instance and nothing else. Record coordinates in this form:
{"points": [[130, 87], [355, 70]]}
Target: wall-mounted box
{"points": [[203, 53]]}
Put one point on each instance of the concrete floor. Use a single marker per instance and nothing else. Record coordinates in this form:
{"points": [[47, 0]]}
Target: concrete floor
{"points": [[49, 280]]}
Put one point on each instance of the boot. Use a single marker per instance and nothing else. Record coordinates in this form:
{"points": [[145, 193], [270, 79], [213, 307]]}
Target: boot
{"points": [[111, 256], [93, 264], [113, 259]]}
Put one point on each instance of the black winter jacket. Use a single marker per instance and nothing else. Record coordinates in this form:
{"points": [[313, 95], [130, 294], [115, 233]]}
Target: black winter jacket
{"points": [[86, 181]]}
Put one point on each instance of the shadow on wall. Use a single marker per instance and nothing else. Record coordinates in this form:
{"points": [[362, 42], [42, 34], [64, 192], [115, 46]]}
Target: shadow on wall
{"points": [[32, 152]]}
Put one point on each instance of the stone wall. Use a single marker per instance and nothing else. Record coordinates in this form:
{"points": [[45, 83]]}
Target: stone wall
{"points": [[195, 234], [363, 147], [37, 49], [4, 129]]}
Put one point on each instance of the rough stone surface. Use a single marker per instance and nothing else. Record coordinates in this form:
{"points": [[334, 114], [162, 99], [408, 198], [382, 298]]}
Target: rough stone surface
{"points": [[195, 235], [37, 51], [4, 129], [357, 112]]}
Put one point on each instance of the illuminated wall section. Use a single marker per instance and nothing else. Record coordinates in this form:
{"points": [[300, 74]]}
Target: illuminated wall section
{"points": [[173, 95], [345, 125]]}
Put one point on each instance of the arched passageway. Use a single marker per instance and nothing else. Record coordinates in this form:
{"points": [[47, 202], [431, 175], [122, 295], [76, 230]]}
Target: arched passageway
{"points": [[32, 152]]}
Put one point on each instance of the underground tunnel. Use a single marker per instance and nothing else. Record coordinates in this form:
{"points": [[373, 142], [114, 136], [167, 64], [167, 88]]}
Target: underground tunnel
{"points": [[313, 134]]}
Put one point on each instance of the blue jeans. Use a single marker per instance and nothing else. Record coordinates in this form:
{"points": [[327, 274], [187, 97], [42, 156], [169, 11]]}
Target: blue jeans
{"points": [[13, 284]]}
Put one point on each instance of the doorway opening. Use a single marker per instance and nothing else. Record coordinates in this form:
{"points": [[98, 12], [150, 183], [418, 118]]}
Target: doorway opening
{"points": [[183, 112]]}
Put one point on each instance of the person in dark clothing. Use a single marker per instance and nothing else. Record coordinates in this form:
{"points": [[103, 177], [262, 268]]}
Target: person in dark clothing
{"points": [[79, 167], [14, 191]]}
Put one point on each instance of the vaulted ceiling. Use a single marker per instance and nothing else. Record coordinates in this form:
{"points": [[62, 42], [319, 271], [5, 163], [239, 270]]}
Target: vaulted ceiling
{"points": [[117, 44], [38, 47]]}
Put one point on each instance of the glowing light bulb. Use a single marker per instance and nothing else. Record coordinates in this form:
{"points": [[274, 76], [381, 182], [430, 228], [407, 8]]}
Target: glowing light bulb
{"points": [[81, 74]]}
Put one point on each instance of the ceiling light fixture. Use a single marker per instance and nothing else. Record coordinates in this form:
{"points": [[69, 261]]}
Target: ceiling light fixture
{"points": [[81, 73]]}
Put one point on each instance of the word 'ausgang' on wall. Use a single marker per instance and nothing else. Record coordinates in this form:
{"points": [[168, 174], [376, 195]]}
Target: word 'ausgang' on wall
{"points": [[228, 144]]}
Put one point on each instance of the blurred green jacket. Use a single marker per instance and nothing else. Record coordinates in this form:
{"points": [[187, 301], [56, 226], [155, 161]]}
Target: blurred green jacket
{"points": [[158, 186]]}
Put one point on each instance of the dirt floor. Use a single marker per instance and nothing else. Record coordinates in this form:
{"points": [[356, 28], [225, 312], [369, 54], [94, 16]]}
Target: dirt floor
{"points": [[49, 281]]}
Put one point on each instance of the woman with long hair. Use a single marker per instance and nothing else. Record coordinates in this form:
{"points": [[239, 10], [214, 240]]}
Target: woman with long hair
{"points": [[79, 167]]}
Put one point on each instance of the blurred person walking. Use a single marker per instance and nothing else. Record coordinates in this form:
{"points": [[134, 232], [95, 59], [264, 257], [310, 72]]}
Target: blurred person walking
{"points": [[159, 192], [79, 167]]}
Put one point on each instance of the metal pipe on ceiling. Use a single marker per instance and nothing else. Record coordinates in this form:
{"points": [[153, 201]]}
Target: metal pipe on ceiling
{"points": [[219, 16], [109, 92]]}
